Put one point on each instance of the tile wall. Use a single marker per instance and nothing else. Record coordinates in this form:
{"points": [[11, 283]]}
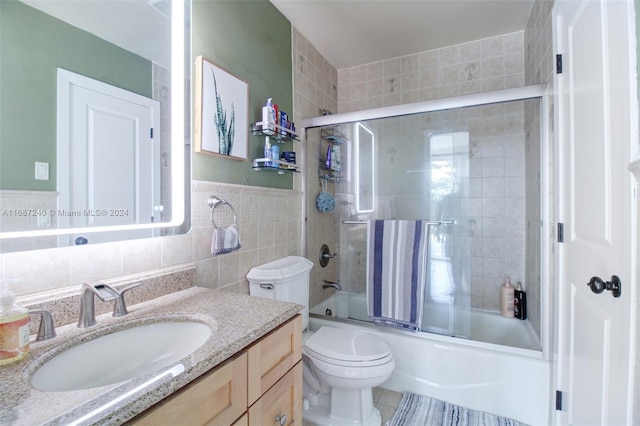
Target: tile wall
{"points": [[269, 223], [478, 66], [315, 84]]}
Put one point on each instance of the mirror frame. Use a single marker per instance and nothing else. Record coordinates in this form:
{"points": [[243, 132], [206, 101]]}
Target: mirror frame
{"points": [[178, 93]]}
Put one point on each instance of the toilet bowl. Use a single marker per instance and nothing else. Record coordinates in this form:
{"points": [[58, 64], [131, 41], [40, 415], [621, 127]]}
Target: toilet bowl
{"points": [[340, 366], [350, 363]]}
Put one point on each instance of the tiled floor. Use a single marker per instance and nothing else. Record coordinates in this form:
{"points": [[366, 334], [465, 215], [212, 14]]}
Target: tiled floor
{"points": [[384, 400]]}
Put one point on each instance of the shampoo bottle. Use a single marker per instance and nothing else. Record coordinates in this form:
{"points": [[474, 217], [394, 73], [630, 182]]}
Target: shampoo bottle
{"points": [[327, 163], [506, 299], [519, 302], [268, 118], [267, 152], [275, 155], [14, 327]]}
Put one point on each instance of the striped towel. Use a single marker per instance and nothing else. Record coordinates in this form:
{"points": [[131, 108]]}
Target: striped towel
{"points": [[397, 272], [225, 240]]}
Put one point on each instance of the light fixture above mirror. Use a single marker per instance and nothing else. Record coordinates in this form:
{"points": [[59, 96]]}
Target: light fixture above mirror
{"points": [[29, 211]]}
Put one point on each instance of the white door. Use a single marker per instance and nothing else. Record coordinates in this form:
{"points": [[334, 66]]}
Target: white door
{"points": [[595, 342], [109, 173]]}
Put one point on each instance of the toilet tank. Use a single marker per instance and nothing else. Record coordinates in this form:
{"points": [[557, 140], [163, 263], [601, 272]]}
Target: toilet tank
{"points": [[285, 279]]}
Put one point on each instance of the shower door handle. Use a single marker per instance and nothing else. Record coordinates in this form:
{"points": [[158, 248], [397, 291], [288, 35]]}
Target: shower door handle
{"points": [[597, 285]]}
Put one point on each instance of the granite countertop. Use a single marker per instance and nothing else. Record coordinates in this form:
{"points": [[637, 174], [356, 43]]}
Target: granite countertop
{"points": [[236, 321]]}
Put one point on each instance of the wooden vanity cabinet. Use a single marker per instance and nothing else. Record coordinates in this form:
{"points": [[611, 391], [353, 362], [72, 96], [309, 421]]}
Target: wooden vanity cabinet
{"points": [[219, 397], [259, 384]]}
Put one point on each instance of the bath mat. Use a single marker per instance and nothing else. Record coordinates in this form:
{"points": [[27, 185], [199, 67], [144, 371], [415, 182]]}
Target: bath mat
{"points": [[418, 410]]}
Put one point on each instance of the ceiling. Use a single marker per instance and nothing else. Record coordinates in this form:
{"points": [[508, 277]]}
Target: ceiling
{"points": [[355, 32], [140, 26]]}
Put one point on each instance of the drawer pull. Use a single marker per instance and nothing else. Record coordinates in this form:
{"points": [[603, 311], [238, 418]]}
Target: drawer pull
{"points": [[282, 419]]}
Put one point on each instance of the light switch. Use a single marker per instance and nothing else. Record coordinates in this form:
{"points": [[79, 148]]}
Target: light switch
{"points": [[44, 221], [42, 171]]}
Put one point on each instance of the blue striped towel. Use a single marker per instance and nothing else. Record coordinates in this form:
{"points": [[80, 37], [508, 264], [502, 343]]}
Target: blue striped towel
{"points": [[397, 272]]}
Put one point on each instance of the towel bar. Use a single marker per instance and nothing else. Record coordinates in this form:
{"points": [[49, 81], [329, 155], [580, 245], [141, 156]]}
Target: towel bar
{"points": [[428, 222]]}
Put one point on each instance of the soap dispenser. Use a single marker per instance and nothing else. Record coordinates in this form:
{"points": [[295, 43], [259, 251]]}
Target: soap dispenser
{"points": [[506, 298], [14, 326], [268, 118]]}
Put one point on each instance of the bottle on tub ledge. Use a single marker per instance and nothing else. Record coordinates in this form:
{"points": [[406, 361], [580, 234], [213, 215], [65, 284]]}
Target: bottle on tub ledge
{"points": [[506, 298], [519, 302]]}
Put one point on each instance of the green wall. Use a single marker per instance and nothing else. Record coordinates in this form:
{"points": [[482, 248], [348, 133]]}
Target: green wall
{"points": [[251, 40], [32, 46]]}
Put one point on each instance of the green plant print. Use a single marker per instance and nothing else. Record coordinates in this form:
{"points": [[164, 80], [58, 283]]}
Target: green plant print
{"points": [[226, 131]]}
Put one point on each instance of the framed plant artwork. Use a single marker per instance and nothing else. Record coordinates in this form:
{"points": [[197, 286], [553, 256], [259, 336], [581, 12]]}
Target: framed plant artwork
{"points": [[221, 112]]}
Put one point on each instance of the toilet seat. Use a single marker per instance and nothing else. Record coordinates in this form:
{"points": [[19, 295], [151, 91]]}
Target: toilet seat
{"points": [[349, 348]]}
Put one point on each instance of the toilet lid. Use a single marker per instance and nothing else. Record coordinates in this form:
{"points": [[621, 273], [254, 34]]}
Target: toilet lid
{"points": [[347, 345]]}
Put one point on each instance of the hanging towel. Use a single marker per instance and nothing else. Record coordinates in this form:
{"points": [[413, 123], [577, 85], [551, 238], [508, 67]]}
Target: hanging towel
{"points": [[225, 240], [397, 270]]}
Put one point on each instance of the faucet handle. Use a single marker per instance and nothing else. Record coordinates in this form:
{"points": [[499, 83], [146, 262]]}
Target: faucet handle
{"points": [[47, 329], [120, 307]]}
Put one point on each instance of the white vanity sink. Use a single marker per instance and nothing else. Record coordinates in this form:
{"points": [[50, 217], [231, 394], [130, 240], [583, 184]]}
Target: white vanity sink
{"points": [[122, 355]]}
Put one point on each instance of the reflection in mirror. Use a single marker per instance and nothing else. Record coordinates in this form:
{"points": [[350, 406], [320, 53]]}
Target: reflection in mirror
{"points": [[92, 142], [365, 174]]}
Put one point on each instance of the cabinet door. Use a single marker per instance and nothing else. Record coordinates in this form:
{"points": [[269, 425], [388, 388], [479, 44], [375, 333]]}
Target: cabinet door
{"points": [[242, 421], [272, 356], [283, 399], [217, 398]]}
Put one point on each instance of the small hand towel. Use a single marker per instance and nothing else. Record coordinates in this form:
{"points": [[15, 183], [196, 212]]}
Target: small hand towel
{"points": [[397, 272], [225, 240]]}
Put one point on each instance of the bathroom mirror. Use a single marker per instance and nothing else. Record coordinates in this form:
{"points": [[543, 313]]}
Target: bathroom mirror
{"points": [[364, 173], [122, 175]]}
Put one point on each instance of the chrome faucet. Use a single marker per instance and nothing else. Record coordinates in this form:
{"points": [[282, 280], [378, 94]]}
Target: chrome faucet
{"points": [[331, 284], [47, 329], [87, 302]]}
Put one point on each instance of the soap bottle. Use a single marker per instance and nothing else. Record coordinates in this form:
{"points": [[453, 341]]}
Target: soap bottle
{"points": [[506, 298], [267, 152], [327, 163], [275, 155], [268, 118], [519, 302], [14, 327]]}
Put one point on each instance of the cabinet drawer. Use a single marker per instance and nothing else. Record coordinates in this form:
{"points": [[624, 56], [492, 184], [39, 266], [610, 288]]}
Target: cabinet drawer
{"points": [[284, 398], [218, 397], [272, 356]]}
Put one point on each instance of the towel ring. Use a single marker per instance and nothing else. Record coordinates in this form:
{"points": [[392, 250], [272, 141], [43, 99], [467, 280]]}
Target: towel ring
{"points": [[214, 202]]}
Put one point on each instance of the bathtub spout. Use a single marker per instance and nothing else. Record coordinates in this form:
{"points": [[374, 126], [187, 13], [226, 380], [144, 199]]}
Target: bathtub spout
{"points": [[331, 284]]}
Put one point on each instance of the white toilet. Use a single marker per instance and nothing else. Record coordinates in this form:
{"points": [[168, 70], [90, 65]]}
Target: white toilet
{"points": [[341, 365]]}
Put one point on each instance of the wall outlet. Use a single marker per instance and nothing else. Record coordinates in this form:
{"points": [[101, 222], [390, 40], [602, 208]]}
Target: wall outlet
{"points": [[42, 171]]}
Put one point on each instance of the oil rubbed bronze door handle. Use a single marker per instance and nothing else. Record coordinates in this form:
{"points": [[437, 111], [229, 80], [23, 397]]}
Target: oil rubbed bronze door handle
{"points": [[597, 285]]}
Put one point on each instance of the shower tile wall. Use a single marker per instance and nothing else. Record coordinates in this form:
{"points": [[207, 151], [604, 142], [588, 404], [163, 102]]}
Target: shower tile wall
{"points": [[315, 88], [478, 66], [496, 182]]}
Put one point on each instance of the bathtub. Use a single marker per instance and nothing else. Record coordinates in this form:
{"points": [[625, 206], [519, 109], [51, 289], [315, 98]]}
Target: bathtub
{"points": [[511, 381]]}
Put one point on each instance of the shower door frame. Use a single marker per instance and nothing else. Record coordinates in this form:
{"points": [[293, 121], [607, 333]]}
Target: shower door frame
{"points": [[541, 92]]}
